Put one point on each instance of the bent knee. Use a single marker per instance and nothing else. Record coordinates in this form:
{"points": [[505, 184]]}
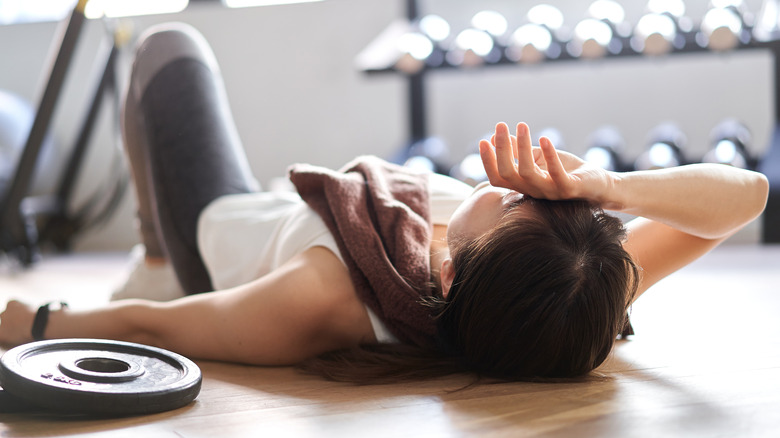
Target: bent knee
{"points": [[163, 44]]}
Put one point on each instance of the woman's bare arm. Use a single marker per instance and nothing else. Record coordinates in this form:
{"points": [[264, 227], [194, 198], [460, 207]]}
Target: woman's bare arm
{"points": [[306, 307], [705, 200], [683, 212]]}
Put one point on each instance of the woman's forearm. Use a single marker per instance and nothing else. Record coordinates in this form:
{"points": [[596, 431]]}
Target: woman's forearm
{"points": [[123, 320], [706, 200]]}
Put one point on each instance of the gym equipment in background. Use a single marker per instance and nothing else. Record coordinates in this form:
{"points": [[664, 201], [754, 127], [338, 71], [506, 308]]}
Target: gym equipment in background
{"points": [[591, 39], [438, 31], [605, 149], [16, 118], [531, 43], [550, 17], [495, 25], [663, 28], [603, 31], [96, 377], [469, 170], [481, 43], [415, 48], [554, 135], [660, 31], [767, 24], [27, 222], [613, 14], [539, 39], [730, 145], [725, 25], [427, 155], [664, 150]]}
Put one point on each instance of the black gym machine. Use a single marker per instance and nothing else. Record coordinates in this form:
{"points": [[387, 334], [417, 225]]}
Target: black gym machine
{"points": [[27, 223], [378, 58]]}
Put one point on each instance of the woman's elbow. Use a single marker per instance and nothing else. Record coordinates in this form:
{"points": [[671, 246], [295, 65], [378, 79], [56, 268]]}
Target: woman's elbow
{"points": [[752, 202], [760, 190], [744, 205]]}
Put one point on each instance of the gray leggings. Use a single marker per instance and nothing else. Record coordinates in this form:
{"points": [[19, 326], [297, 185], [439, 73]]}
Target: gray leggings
{"points": [[183, 146]]}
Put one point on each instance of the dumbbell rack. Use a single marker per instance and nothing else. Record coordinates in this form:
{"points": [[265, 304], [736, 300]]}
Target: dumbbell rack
{"points": [[769, 164]]}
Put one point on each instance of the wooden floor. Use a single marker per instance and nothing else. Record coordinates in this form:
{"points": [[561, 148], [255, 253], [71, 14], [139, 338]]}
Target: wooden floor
{"points": [[705, 362]]}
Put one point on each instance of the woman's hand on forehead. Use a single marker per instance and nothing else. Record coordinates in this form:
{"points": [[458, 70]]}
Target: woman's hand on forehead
{"points": [[541, 172]]}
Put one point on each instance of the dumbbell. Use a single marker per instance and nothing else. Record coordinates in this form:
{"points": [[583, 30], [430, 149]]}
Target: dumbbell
{"points": [[663, 28], [602, 32], [730, 141], [529, 44], [479, 44], [469, 170], [613, 14], [767, 23], [415, 48], [430, 154], [605, 149], [540, 38], [438, 30], [591, 39], [665, 146], [554, 135], [724, 25]]}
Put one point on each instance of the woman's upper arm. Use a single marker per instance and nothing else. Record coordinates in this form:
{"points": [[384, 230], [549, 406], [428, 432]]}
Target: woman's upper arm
{"points": [[660, 250], [306, 307]]}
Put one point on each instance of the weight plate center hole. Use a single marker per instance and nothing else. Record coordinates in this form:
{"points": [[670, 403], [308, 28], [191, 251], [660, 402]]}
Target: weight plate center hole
{"points": [[102, 365]]}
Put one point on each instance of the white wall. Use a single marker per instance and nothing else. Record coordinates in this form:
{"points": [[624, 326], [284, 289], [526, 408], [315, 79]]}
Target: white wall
{"points": [[297, 97]]}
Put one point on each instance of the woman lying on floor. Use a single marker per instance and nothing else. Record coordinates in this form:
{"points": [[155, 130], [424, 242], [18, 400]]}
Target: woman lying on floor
{"points": [[375, 272]]}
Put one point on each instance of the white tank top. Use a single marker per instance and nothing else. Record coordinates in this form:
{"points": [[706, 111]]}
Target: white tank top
{"points": [[243, 237]]}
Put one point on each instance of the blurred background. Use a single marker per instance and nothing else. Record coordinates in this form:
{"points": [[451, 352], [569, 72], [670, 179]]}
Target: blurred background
{"points": [[298, 87]]}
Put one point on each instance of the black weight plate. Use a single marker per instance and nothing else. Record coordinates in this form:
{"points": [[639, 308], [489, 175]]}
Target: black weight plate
{"points": [[10, 404], [94, 376]]}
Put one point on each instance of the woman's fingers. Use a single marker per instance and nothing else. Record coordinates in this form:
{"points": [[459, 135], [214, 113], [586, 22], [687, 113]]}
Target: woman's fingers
{"points": [[512, 162], [489, 161], [555, 168], [511, 137], [505, 153], [488, 156], [541, 172], [525, 156]]}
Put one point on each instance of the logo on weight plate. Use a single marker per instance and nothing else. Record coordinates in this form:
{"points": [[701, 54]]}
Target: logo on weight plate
{"points": [[61, 379]]}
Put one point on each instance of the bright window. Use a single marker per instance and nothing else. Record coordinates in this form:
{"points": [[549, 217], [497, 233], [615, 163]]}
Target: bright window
{"points": [[125, 8], [25, 11], [248, 3]]}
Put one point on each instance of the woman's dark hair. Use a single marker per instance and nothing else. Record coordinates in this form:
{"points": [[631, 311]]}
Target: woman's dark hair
{"points": [[541, 295]]}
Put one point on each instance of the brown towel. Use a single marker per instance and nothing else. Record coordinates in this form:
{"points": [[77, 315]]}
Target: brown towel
{"points": [[379, 215]]}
